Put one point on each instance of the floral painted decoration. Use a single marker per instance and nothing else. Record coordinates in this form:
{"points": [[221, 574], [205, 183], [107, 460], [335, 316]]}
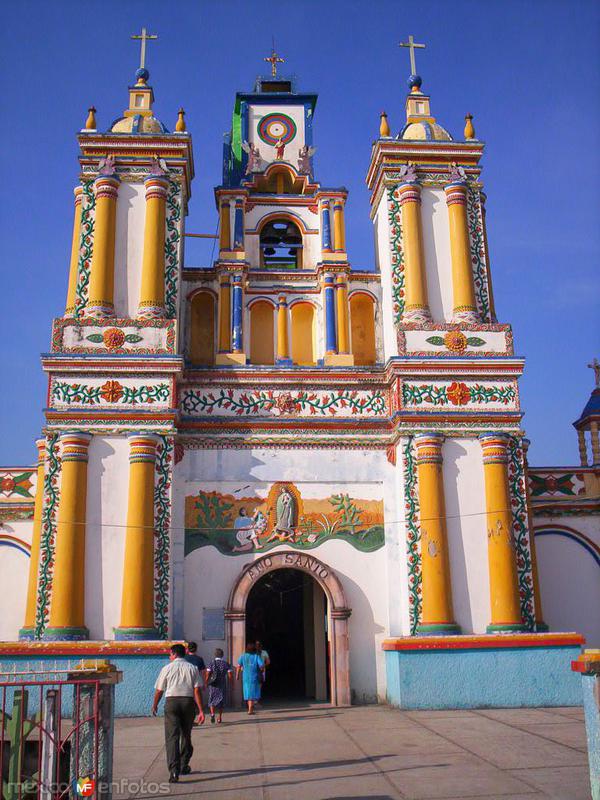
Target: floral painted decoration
{"points": [[301, 402], [457, 394], [456, 341], [110, 392]]}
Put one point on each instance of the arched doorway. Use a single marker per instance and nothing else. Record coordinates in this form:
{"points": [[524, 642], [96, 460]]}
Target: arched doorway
{"points": [[328, 595], [286, 611]]}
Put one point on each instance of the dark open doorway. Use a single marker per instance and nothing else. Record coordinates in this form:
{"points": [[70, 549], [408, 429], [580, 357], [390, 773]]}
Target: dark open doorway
{"points": [[287, 611]]}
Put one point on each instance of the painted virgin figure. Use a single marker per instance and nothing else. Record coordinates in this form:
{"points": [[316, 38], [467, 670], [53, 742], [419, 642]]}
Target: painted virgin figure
{"points": [[285, 515]]}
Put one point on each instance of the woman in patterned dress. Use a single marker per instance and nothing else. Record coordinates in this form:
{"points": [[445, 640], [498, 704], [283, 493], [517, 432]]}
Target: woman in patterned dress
{"points": [[216, 675]]}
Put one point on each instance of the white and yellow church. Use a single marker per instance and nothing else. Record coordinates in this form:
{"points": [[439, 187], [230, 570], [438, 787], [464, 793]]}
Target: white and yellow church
{"points": [[277, 446]]}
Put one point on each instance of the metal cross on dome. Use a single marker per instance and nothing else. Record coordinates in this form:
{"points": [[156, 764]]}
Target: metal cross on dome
{"points": [[145, 37], [412, 46], [273, 60]]}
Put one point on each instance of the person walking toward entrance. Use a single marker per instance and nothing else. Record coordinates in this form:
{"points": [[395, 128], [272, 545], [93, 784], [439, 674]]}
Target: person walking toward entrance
{"points": [[217, 671], [250, 665], [180, 682], [193, 657], [266, 661]]}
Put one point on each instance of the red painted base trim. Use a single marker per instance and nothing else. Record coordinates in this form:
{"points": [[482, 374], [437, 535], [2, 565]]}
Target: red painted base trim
{"points": [[486, 641]]}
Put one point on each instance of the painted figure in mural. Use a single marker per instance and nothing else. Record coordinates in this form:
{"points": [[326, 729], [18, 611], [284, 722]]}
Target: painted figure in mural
{"points": [[279, 149], [285, 516], [245, 532], [248, 530], [304, 159], [254, 158]]}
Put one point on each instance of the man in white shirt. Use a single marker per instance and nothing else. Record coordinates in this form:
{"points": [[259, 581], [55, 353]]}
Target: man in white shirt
{"points": [[180, 682]]}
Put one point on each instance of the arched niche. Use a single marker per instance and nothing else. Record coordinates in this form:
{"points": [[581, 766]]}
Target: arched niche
{"points": [[262, 336], [337, 609], [280, 242], [303, 334], [362, 327], [202, 329]]}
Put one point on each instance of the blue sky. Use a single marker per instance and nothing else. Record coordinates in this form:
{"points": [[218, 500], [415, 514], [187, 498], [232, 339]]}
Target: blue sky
{"points": [[527, 71]]}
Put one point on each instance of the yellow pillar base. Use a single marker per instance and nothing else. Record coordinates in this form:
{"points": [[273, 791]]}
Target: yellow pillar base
{"points": [[230, 359], [339, 256], [339, 360]]}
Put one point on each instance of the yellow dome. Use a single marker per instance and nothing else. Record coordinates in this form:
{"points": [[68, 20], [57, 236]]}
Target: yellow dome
{"points": [[138, 124], [425, 131]]}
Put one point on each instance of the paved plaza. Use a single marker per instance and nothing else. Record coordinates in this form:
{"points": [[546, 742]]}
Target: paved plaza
{"points": [[313, 752]]}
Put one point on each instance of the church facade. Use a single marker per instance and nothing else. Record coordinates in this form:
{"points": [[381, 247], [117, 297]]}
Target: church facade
{"points": [[280, 447]]}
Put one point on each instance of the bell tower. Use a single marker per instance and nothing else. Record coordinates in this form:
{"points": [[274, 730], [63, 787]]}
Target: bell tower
{"points": [[111, 371], [456, 370], [280, 229]]}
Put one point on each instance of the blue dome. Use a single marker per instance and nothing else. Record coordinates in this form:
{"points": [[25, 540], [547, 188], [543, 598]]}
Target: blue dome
{"points": [[142, 74], [592, 408], [415, 80]]}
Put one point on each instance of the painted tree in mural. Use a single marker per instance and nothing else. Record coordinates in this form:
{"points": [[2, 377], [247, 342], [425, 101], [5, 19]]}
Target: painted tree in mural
{"points": [[213, 511], [350, 514]]}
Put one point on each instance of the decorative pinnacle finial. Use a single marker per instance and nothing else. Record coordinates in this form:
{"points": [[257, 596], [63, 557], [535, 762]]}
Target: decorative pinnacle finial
{"points": [[469, 129], [273, 60], [180, 124], [384, 125], [142, 73], [90, 123], [415, 81]]}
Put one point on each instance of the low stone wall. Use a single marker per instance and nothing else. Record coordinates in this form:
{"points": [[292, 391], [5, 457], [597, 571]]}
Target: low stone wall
{"points": [[140, 663], [492, 671]]}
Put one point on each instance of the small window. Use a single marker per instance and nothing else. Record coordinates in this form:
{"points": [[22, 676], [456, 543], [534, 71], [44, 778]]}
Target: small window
{"points": [[139, 100]]}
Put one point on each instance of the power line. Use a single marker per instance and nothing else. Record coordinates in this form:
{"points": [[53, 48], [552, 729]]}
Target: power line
{"points": [[201, 529]]}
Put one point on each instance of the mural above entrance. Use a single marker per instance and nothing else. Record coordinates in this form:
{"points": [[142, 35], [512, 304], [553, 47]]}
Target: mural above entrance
{"points": [[236, 520]]}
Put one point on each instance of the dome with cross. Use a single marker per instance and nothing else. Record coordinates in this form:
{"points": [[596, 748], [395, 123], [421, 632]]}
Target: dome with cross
{"points": [[139, 118]]}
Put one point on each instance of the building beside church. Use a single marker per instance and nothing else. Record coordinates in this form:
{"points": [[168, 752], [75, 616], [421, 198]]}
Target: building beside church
{"points": [[279, 446]]}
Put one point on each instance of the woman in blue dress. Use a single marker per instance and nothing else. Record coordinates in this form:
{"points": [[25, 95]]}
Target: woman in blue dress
{"points": [[217, 673], [251, 666]]}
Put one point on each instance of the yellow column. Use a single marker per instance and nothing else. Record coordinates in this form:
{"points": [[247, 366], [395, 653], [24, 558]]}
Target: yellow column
{"points": [[416, 308], [595, 441], [225, 232], [152, 289], [341, 301], [224, 313], [70, 309], [28, 629], [502, 562], [465, 309], [339, 233], [437, 615], [137, 602], [540, 625], [283, 349], [67, 616], [582, 448], [102, 270]]}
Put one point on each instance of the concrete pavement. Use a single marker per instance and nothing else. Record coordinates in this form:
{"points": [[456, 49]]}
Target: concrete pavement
{"points": [[317, 752]]}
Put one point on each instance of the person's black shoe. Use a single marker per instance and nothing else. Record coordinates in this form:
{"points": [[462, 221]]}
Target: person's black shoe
{"points": [[186, 770], [174, 777]]}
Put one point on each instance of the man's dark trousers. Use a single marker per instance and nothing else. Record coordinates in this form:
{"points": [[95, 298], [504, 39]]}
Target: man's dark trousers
{"points": [[179, 718]]}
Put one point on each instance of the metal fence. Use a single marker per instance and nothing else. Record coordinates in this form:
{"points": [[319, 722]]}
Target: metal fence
{"points": [[56, 730]]}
